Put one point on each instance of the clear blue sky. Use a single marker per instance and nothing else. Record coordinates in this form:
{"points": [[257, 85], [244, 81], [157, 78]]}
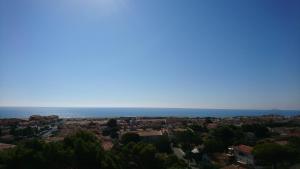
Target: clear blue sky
{"points": [[150, 53]]}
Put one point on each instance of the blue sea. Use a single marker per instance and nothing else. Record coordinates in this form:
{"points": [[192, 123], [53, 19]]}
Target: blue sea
{"points": [[69, 112]]}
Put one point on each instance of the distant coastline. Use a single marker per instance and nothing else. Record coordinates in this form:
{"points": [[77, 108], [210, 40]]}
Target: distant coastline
{"points": [[103, 112]]}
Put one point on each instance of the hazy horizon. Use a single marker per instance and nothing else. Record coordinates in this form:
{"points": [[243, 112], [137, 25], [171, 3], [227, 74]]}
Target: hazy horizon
{"points": [[129, 53], [128, 107]]}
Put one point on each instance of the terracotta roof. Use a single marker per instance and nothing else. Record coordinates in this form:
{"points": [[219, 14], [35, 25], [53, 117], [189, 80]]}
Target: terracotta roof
{"points": [[150, 133], [107, 145], [245, 149]]}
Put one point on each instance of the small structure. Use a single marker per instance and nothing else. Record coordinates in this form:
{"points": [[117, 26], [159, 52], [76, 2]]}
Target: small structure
{"points": [[243, 154]]}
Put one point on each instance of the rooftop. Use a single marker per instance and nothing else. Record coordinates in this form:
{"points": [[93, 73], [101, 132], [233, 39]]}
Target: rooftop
{"points": [[146, 133], [243, 148]]}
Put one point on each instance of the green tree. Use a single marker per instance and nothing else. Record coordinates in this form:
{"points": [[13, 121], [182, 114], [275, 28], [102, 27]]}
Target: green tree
{"points": [[79, 151], [198, 128], [294, 147], [163, 145], [213, 145], [224, 136], [130, 137], [87, 150], [271, 154], [112, 123], [112, 128], [82, 150], [259, 130], [188, 138]]}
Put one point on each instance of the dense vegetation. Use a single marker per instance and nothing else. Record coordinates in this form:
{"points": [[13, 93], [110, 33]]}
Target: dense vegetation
{"points": [[111, 129], [220, 138], [83, 150], [187, 139], [275, 154]]}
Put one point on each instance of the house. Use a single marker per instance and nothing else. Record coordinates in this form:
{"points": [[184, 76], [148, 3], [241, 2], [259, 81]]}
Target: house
{"points": [[243, 154]]}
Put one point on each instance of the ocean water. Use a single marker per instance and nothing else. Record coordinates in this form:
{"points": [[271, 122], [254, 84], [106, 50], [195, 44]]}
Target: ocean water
{"points": [[65, 112]]}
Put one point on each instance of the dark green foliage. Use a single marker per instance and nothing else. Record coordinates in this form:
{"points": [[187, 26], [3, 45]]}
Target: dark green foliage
{"points": [[106, 132], [222, 137], [172, 162], [259, 130], [274, 154], [213, 145], [87, 150], [163, 145], [268, 153], [206, 165], [294, 148], [145, 156], [112, 129], [228, 134], [82, 150], [26, 132], [112, 123], [283, 124], [79, 151], [208, 120], [130, 137], [111, 161], [198, 128], [188, 139]]}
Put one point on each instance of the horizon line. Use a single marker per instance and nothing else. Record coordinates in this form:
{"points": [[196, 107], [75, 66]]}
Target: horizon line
{"points": [[148, 107]]}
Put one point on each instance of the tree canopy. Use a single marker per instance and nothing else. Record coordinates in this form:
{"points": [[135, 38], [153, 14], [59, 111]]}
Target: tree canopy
{"points": [[274, 154], [112, 128], [82, 150], [130, 137], [222, 137]]}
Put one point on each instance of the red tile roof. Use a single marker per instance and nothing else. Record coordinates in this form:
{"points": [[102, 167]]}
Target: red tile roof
{"points": [[245, 149]]}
